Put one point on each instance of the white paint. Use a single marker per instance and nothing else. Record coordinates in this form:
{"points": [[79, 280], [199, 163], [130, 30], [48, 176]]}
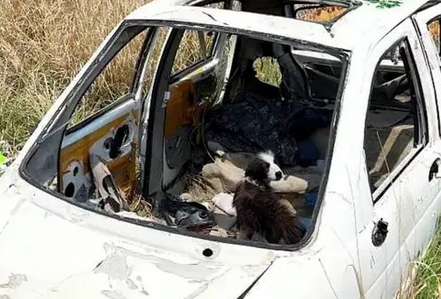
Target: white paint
{"points": [[50, 248]]}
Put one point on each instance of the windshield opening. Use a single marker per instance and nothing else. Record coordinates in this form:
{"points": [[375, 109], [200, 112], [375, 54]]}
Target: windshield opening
{"points": [[209, 122]]}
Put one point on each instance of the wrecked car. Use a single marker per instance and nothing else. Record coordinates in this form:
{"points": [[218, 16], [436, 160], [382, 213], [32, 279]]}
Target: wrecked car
{"points": [[125, 189]]}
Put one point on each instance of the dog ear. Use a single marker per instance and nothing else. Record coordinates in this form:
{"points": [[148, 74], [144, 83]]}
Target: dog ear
{"points": [[258, 170]]}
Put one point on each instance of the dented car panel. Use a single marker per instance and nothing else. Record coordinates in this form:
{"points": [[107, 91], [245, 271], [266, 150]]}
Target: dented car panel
{"points": [[362, 244], [99, 258]]}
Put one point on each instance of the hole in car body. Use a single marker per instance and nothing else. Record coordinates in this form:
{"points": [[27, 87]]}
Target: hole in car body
{"points": [[202, 111]]}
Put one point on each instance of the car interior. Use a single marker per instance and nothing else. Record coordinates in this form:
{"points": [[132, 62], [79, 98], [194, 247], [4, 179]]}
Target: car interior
{"points": [[222, 100], [170, 141], [395, 124]]}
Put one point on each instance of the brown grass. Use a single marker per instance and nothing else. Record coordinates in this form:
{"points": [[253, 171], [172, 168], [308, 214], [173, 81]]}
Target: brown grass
{"points": [[427, 274], [43, 44], [322, 14]]}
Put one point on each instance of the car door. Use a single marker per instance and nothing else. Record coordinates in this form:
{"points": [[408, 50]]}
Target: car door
{"points": [[400, 151], [428, 23], [105, 125], [194, 62]]}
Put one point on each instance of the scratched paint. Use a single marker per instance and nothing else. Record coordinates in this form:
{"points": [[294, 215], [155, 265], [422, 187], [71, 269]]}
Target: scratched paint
{"points": [[52, 249]]}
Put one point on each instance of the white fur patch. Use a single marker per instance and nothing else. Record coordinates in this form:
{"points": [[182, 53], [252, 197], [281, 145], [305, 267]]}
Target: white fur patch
{"points": [[267, 157], [274, 168]]}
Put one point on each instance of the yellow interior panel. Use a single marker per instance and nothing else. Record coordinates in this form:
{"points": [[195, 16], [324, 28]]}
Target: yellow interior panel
{"points": [[122, 168]]}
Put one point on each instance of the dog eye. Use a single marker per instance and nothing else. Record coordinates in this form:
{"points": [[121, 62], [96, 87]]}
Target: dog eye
{"points": [[267, 165]]}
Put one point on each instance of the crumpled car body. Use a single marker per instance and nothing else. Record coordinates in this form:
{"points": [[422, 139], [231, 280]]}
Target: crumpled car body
{"points": [[363, 242]]}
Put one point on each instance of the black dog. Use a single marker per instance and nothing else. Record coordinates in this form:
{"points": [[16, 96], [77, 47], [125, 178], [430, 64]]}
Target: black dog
{"points": [[262, 211]]}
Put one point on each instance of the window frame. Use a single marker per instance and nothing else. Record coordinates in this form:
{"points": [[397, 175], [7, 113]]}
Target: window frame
{"points": [[99, 113], [95, 67], [176, 37], [437, 51], [423, 135], [135, 84], [438, 48]]}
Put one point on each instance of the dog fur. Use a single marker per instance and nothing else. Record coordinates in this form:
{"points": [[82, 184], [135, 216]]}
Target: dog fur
{"points": [[262, 211]]}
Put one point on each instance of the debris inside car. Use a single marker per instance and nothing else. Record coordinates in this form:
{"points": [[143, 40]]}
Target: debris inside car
{"points": [[218, 113], [173, 145]]}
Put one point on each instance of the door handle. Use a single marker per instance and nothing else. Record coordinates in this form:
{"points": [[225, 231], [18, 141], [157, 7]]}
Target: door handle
{"points": [[434, 170], [379, 232]]}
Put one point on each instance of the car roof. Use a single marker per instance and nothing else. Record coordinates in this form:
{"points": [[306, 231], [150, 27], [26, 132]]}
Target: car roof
{"points": [[363, 25], [245, 21], [371, 22]]}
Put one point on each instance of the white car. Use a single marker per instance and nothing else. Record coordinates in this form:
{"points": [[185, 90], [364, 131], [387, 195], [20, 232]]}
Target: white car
{"points": [[245, 76]]}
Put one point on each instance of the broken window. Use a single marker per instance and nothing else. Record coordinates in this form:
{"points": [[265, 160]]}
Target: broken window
{"points": [[193, 110], [320, 14], [104, 125], [195, 47], [395, 123], [273, 102], [323, 12], [435, 31], [112, 84], [268, 70]]}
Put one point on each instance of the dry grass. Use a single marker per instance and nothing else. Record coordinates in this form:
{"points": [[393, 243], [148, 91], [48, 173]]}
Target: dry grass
{"points": [[114, 82], [43, 44], [323, 14], [198, 189], [427, 281], [268, 71]]}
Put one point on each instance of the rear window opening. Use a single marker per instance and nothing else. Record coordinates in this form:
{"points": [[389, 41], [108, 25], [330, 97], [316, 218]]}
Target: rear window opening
{"points": [[323, 12], [320, 13], [220, 136]]}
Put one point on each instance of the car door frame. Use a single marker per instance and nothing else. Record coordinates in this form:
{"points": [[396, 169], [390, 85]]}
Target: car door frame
{"points": [[383, 268], [152, 183], [430, 222], [125, 110]]}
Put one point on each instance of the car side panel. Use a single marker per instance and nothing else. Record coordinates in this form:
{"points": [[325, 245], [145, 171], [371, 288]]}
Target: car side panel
{"points": [[77, 147]]}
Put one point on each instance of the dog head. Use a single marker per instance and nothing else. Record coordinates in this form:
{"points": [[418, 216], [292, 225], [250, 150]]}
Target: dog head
{"points": [[274, 172], [263, 169]]}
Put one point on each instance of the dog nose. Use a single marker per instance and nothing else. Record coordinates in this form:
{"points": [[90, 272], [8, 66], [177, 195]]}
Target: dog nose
{"points": [[278, 175]]}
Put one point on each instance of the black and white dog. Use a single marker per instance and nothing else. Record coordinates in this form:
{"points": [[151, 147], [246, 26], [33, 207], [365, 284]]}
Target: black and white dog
{"points": [[262, 211]]}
